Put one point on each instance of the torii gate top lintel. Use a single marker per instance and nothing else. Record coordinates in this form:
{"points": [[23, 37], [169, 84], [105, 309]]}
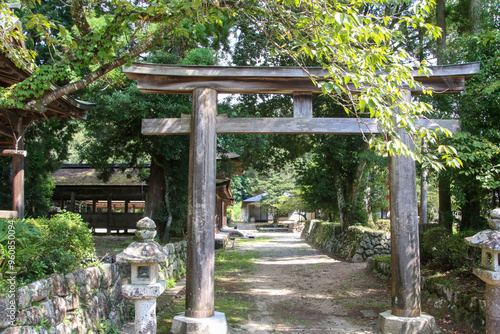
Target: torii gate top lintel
{"points": [[170, 79]]}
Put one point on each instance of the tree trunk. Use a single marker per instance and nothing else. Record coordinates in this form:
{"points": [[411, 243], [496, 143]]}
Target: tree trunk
{"points": [[340, 200], [475, 12], [445, 213], [351, 197], [471, 210], [441, 23], [156, 194], [165, 236]]}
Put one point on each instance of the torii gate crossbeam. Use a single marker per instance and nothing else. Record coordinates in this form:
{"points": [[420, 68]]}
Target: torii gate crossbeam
{"points": [[204, 83]]}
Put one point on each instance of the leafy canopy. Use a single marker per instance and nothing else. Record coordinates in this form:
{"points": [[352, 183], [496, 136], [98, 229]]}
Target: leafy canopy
{"points": [[357, 43], [98, 37]]}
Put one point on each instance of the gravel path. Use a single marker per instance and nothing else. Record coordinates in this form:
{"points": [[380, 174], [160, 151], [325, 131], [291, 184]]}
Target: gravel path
{"points": [[301, 290]]}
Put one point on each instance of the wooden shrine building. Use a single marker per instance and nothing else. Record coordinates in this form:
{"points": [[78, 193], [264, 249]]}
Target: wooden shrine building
{"points": [[204, 83], [13, 124], [117, 205], [114, 205]]}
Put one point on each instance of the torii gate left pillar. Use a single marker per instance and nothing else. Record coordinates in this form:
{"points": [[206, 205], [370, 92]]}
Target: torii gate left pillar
{"points": [[199, 316]]}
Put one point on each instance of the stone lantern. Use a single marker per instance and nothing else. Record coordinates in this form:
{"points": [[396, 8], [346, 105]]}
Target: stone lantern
{"points": [[489, 242], [144, 256]]}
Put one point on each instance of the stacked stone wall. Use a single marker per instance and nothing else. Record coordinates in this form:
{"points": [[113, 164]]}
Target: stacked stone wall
{"points": [[176, 260], [77, 302], [82, 301], [464, 306], [355, 244]]}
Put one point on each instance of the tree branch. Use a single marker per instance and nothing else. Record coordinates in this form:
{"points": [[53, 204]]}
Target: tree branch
{"points": [[78, 14], [39, 105]]}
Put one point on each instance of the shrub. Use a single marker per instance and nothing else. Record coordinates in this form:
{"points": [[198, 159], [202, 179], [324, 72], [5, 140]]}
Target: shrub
{"points": [[66, 241], [46, 246], [27, 246], [383, 225], [445, 251]]}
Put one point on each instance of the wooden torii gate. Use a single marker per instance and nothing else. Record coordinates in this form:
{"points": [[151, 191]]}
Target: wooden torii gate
{"points": [[204, 83]]}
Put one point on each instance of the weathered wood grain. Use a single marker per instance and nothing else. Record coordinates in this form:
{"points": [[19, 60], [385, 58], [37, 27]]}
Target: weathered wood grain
{"points": [[179, 126], [155, 78], [302, 105], [405, 258], [138, 69], [201, 206], [18, 174], [185, 85]]}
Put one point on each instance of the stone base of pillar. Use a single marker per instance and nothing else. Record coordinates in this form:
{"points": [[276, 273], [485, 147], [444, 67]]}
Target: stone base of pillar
{"points": [[391, 324], [214, 325]]}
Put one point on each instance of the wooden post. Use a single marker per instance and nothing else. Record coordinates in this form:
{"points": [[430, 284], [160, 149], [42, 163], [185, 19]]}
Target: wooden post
{"points": [[94, 206], [18, 172], [424, 189], [405, 257], [201, 206], [108, 215], [302, 105], [72, 205], [125, 209]]}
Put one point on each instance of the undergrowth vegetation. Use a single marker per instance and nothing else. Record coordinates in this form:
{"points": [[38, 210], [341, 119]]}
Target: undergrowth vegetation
{"points": [[444, 251], [46, 246], [231, 295]]}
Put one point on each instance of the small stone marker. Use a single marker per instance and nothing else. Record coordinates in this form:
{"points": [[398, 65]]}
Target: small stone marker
{"points": [[489, 242], [369, 314], [144, 256]]}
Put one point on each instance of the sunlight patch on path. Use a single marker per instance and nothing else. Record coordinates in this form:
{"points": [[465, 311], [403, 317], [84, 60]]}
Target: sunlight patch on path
{"points": [[298, 289]]}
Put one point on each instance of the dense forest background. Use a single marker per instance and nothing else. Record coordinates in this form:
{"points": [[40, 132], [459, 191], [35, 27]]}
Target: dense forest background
{"points": [[342, 177]]}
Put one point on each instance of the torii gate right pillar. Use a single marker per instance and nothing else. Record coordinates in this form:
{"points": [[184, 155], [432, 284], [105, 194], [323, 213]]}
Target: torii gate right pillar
{"points": [[405, 316]]}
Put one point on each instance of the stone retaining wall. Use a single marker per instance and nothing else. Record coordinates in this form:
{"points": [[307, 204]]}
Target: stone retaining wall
{"points": [[175, 266], [73, 303], [355, 244], [463, 306], [80, 301]]}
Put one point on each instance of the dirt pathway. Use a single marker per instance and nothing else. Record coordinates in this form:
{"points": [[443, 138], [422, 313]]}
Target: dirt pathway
{"points": [[301, 290]]}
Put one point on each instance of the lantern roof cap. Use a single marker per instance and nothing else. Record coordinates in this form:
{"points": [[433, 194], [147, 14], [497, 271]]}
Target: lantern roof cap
{"points": [[142, 252], [145, 250]]}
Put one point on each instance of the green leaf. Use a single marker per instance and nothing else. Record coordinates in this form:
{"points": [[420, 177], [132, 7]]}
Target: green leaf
{"points": [[339, 18]]}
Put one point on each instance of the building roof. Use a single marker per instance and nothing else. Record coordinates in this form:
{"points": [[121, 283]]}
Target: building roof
{"points": [[63, 107], [83, 175], [11, 74], [257, 198]]}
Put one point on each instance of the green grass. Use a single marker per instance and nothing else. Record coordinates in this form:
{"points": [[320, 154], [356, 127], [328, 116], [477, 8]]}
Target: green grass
{"points": [[231, 295], [383, 259], [166, 315], [230, 263], [263, 239], [234, 306], [111, 245]]}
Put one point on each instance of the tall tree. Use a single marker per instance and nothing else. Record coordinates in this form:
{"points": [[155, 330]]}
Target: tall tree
{"points": [[441, 23], [472, 36], [93, 40], [282, 193]]}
